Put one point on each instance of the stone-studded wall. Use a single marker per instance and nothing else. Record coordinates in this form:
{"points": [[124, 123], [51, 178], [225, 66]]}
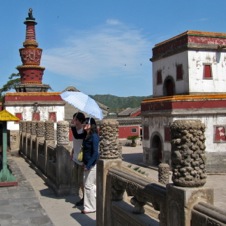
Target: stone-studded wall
{"points": [[109, 144], [188, 153]]}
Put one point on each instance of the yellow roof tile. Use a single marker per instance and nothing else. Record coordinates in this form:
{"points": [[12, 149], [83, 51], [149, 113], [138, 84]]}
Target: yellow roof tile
{"points": [[6, 116]]}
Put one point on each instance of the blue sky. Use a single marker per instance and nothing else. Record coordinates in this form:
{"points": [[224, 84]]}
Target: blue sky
{"points": [[101, 46]]}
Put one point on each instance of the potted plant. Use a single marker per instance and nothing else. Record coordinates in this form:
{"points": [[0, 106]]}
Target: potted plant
{"points": [[133, 139]]}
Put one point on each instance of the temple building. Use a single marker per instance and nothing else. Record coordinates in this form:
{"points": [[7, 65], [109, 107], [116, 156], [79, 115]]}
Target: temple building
{"points": [[32, 101], [189, 82]]}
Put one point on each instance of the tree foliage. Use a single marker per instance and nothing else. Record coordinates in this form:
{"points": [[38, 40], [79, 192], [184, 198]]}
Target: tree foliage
{"points": [[14, 79], [117, 104]]}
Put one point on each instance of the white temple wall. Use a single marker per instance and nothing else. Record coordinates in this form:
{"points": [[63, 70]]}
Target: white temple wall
{"points": [[27, 112], [168, 67], [157, 125], [217, 60], [193, 81]]}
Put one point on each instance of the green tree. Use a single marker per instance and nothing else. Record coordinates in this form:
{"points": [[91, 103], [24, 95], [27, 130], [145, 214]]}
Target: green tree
{"points": [[133, 139], [14, 79]]}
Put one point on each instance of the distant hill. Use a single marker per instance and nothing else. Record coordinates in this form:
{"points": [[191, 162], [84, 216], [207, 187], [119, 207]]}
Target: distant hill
{"points": [[117, 104]]}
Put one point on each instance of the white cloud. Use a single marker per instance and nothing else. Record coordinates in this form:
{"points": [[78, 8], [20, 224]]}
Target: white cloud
{"points": [[109, 50], [113, 22]]}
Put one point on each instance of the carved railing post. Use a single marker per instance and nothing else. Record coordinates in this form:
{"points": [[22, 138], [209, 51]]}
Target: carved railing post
{"points": [[189, 173], [109, 144], [33, 128], [40, 129], [33, 153], [49, 141], [22, 126], [28, 127], [40, 138], [163, 173], [62, 133], [188, 153], [110, 155], [28, 139], [49, 130], [63, 161]]}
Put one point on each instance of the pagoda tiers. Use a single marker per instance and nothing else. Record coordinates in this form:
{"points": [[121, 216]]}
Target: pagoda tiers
{"points": [[32, 101], [31, 72], [189, 80]]}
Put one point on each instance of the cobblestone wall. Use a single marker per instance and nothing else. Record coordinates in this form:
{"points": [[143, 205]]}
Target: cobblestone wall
{"points": [[109, 143], [188, 153]]}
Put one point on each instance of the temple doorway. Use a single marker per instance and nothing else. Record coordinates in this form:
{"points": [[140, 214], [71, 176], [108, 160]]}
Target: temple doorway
{"points": [[169, 86], [156, 147]]}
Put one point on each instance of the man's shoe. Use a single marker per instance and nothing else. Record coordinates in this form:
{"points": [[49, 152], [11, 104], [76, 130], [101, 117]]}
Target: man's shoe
{"points": [[80, 202]]}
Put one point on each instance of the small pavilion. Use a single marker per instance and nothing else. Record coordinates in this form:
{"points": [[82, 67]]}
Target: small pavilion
{"points": [[6, 177]]}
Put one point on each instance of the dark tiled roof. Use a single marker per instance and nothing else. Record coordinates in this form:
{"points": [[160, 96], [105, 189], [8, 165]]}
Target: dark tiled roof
{"points": [[129, 121], [128, 112], [126, 120], [71, 88]]}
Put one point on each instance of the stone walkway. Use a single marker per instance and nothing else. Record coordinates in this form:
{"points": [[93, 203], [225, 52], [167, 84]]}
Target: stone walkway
{"points": [[33, 203], [19, 205], [60, 210]]}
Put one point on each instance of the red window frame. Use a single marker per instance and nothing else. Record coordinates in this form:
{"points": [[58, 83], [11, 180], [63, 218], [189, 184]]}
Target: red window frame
{"points": [[179, 72], [219, 133], [146, 133], [207, 71], [35, 116], [52, 116], [19, 116], [167, 134], [159, 77]]}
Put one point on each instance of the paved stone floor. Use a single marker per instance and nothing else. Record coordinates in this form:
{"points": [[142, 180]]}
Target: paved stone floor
{"points": [[33, 203], [19, 205], [60, 210]]}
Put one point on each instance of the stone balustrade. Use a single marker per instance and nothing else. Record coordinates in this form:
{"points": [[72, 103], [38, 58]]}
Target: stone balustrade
{"points": [[126, 197]]}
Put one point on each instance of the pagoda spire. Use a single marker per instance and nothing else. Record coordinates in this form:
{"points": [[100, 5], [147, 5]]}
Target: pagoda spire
{"points": [[31, 73], [30, 30]]}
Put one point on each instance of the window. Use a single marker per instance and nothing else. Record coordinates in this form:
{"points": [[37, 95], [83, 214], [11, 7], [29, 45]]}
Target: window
{"points": [[207, 71], [134, 130], [220, 134], [52, 116], [19, 116], [159, 77], [179, 72], [146, 133], [167, 134], [35, 116]]}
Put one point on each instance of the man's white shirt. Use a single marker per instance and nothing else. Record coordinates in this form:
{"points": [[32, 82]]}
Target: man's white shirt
{"points": [[77, 144]]}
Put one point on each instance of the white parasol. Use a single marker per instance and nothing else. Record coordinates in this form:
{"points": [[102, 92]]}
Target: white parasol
{"points": [[83, 102]]}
